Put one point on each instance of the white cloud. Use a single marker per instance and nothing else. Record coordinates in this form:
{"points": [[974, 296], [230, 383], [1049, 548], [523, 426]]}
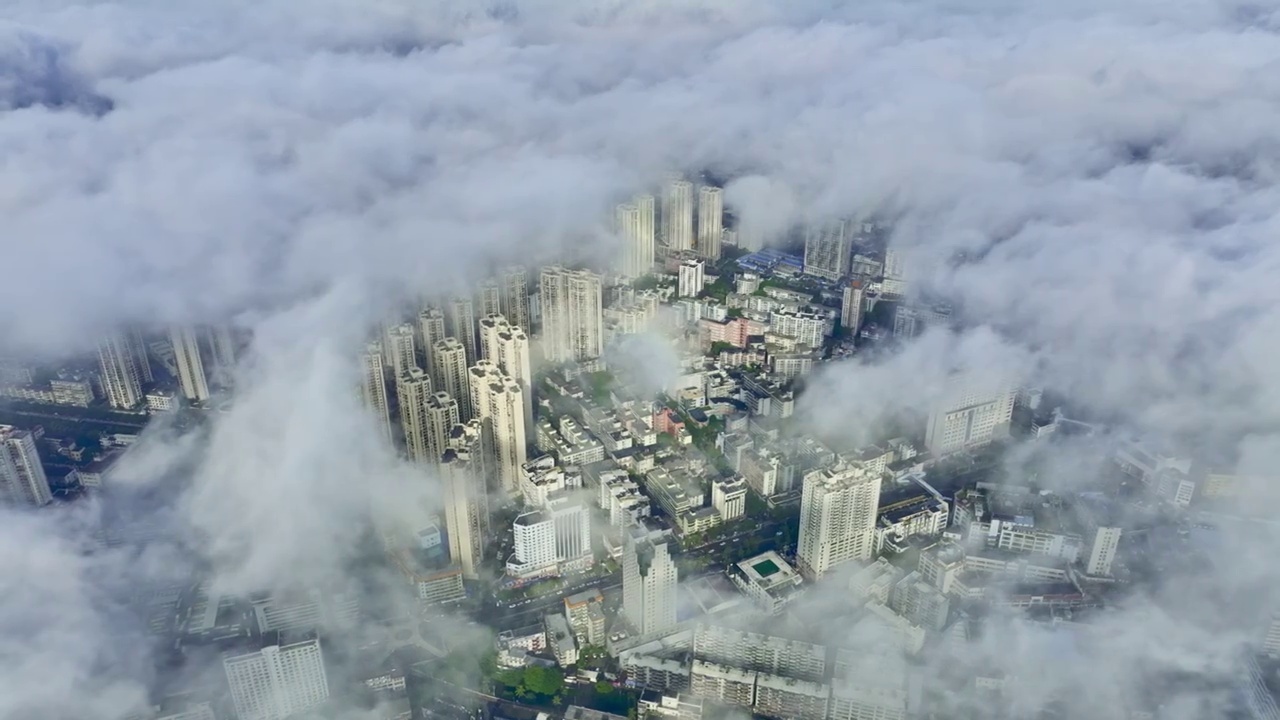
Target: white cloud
{"points": [[1110, 168]]}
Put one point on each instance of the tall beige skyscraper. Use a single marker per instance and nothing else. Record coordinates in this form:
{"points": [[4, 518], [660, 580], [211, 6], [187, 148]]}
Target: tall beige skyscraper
{"points": [[710, 221], [972, 411], [515, 297], [490, 296], [499, 403], [373, 388], [22, 477], [837, 518], [852, 305], [403, 353], [572, 314], [466, 506], [413, 389], [141, 358], [462, 325], [186, 353], [221, 341], [441, 417], [431, 330], [894, 283], [507, 346], [450, 374], [120, 381], [634, 224], [677, 214], [649, 579]]}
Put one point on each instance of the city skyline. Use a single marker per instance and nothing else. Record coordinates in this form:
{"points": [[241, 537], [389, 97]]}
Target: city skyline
{"points": [[931, 342]]}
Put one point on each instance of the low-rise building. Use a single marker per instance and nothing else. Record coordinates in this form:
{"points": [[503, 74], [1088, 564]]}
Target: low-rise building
{"points": [[160, 400], [541, 477], [919, 602], [915, 515], [585, 613], [659, 705], [729, 498], [577, 712], [560, 639], [515, 646], [768, 580], [784, 697], [874, 582], [722, 683]]}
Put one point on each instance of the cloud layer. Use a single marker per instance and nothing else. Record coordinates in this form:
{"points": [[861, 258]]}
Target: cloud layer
{"points": [[1107, 168]]}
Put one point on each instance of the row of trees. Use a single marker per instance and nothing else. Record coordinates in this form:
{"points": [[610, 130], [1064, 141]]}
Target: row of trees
{"points": [[536, 683]]}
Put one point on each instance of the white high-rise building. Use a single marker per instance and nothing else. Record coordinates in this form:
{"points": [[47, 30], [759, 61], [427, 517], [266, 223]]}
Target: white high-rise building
{"points": [[515, 297], [572, 314], [22, 477], [894, 283], [710, 222], [634, 223], [1271, 639], [462, 325], [450, 374], [677, 215], [692, 278], [466, 506], [828, 250], [490, 295], [403, 353], [277, 681], [499, 403], [729, 498], [837, 518], [118, 365], [373, 389], [221, 342], [906, 322], [973, 411], [1102, 550], [414, 393], [851, 308], [431, 330], [507, 346], [649, 581], [186, 354], [895, 265], [141, 358], [548, 537]]}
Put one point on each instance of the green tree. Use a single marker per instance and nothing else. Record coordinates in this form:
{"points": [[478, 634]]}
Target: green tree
{"points": [[648, 282], [543, 680], [600, 382], [511, 677]]}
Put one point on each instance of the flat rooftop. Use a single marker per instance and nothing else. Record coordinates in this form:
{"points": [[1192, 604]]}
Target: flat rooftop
{"points": [[767, 569]]}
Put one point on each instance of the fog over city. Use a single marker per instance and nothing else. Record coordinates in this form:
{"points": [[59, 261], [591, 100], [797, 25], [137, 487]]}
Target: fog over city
{"points": [[1094, 187]]}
